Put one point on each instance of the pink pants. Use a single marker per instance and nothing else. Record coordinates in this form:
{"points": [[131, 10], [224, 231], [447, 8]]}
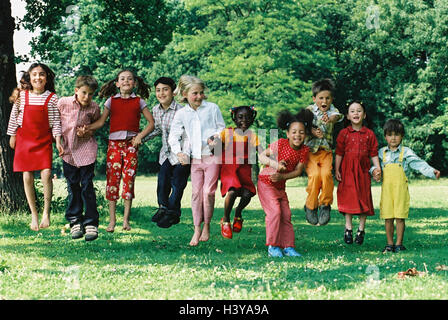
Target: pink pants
{"points": [[204, 180], [279, 229]]}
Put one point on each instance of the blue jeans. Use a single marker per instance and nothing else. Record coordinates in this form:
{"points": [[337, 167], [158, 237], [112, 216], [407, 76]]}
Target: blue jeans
{"points": [[80, 194], [171, 183]]}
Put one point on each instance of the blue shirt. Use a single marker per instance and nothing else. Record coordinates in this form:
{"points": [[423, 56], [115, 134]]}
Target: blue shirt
{"points": [[410, 161]]}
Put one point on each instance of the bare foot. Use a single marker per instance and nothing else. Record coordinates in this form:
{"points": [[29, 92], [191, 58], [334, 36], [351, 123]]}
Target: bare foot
{"points": [[205, 235], [45, 222], [126, 226], [34, 225], [195, 239], [111, 226]]}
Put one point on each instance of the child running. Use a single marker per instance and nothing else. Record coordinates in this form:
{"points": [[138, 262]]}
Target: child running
{"points": [[33, 123], [78, 160], [239, 145], [356, 145], [396, 162], [284, 159], [125, 109], [200, 120]]}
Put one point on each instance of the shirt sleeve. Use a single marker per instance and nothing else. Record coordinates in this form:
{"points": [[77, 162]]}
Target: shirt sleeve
{"points": [[334, 111], [108, 103], [221, 125], [304, 155], [373, 148], [13, 125], [419, 165], [340, 143], [176, 132], [54, 116]]}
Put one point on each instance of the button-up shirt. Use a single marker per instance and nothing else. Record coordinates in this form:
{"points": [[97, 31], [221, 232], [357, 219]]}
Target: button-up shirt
{"points": [[410, 161], [78, 151], [199, 125], [326, 128], [162, 125]]}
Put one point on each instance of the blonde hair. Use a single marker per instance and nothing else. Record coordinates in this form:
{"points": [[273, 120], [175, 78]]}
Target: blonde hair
{"points": [[185, 84]]}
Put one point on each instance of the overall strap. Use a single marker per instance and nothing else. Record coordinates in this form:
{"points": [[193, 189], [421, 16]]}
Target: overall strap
{"points": [[400, 158]]}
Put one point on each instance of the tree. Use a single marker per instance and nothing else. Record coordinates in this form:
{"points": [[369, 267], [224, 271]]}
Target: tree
{"points": [[12, 195]]}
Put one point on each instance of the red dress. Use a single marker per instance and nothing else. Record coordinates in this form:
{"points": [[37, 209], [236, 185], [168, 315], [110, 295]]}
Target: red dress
{"points": [[356, 148], [34, 150], [236, 171]]}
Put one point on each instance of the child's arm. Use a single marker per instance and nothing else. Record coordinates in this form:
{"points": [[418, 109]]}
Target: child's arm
{"points": [[337, 166], [100, 122], [421, 166], [176, 132], [265, 159], [289, 175], [137, 140], [377, 171]]}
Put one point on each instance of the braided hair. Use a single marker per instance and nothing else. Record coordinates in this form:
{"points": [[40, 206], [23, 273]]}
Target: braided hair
{"points": [[251, 109]]}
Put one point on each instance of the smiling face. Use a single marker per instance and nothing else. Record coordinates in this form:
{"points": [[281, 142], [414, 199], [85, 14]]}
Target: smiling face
{"points": [[38, 79], [125, 82], [356, 114], [164, 94], [296, 134], [393, 140], [243, 119], [323, 100], [195, 95], [84, 95]]}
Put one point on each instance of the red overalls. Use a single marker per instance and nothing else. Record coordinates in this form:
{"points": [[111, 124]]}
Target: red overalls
{"points": [[34, 149]]}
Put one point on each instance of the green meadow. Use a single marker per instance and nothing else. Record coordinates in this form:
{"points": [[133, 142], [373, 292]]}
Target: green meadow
{"points": [[153, 263]]}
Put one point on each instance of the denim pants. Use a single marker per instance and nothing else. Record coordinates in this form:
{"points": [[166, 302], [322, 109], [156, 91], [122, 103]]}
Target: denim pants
{"points": [[171, 183], [81, 194]]}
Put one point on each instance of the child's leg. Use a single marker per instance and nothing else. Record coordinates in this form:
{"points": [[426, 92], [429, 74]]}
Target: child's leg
{"points": [[163, 183], [389, 226], [271, 206], [348, 221], [326, 164], [30, 193], [228, 204], [73, 211], [400, 231], [112, 216], [314, 181], [286, 229], [88, 195], [127, 214], [211, 175], [246, 197], [196, 235], [47, 183], [362, 222], [179, 181]]}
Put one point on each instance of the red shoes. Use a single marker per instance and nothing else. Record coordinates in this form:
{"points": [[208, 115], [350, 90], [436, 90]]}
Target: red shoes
{"points": [[226, 231], [237, 224]]}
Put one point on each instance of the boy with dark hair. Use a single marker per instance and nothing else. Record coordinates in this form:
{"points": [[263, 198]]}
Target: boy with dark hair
{"points": [[319, 166], [396, 161], [173, 176], [80, 151]]}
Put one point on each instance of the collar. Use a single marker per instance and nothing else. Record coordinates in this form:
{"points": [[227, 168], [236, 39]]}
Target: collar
{"points": [[118, 95], [172, 106], [190, 109], [316, 108], [398, 149], [77, 102], [362, 130]]}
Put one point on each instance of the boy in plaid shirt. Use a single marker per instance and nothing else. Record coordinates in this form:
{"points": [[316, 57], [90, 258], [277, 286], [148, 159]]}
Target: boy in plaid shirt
{"points": [[172, 177]]}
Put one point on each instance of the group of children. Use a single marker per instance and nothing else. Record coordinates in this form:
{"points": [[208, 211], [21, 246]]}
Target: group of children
{"points": [[197, 144]]}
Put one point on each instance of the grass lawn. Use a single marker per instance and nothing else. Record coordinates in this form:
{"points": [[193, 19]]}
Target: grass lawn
{"points": [[153, 263]]}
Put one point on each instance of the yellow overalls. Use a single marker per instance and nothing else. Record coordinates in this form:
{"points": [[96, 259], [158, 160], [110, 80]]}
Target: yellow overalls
{"points": [[394, 192]]}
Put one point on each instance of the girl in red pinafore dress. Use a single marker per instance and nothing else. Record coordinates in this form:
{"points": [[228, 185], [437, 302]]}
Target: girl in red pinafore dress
{"points": [[33, 123], [124, 109], [356, 145], [238, 155]]}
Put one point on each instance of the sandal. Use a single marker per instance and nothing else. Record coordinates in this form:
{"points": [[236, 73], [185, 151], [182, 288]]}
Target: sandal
{"points": [[348, 236], [226, 231], [389, 248], [237, 224]]}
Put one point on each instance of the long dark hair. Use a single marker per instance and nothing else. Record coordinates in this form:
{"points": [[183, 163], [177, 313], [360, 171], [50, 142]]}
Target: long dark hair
{"points": [[25, 81], [109, 88]]}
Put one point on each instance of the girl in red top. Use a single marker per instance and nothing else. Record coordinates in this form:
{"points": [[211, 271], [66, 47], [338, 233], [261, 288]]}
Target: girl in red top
{"points": [[33, 123], [284, 159], [356, 145], [124, 109], [236, 171]]}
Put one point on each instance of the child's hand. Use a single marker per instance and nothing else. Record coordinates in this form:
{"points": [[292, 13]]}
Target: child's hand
{"points": [[183, 158], [12, 142], [81, 131], [136, 141], [281, 166], [376, 175], [276, 177], [325, 117], [213, 140], [337, 175], [317, 133], [60, 149], [437, 173]]}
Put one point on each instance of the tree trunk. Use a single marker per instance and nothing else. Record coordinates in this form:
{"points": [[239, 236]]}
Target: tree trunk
{"points": [[12, 195]]}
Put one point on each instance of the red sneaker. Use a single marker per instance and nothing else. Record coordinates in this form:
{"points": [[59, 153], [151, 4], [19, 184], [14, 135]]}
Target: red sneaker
{"points": [[237, 224], [226, 231]]}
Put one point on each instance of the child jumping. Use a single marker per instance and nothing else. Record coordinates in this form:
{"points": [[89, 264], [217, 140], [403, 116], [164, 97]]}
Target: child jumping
{"points": [[319, 166], [78, 160], [356, 145], [125, 109], [239, 146], [33, 123], [200, 120], [396, 162], [284, 159], [173, 176]]}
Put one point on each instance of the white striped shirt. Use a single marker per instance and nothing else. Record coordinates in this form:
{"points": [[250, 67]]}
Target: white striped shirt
{"points": [[16, 117]]}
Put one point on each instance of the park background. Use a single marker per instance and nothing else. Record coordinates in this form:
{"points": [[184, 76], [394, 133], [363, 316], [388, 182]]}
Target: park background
{"points": [[390, 54]]}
